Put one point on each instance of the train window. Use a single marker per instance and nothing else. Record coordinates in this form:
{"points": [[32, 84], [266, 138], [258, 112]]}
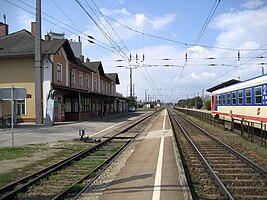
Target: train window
{"points": [[248, 96], [258, 95], [234, 98], [240, 97], [220, 99], [228, 98], [223, 99]]}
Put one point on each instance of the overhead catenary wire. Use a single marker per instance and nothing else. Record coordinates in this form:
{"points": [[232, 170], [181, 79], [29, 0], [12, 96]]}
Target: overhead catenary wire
{"points": [[111, 26], [241, 64], [64, 28], [207, 21], [104, 33]]}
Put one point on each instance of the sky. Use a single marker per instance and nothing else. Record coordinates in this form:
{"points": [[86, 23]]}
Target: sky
{"points": [[176, 49]]}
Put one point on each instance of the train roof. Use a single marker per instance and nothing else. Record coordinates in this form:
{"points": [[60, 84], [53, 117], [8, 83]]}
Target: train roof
{"points": [[223, 85], [239, 84]]}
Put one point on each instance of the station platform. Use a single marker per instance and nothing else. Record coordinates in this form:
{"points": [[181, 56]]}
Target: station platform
{"points": [[154, 170]]}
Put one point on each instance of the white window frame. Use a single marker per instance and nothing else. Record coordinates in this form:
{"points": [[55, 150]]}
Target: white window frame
{"points": [[59, 72], [248, 97], [87, 81], [25, 107], [95, 82], [72, 76], [80, 79], [255, 95], [240, 98]]}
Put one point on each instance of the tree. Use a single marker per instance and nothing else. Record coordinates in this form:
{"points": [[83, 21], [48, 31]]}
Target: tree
{"points": [[208, 104], [119, 94]]}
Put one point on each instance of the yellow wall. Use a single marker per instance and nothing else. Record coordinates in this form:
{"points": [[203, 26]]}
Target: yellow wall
{"points": [[18, 72]]}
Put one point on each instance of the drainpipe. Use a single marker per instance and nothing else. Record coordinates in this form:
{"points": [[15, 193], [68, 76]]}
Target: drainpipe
{"points": [[79, 108]]}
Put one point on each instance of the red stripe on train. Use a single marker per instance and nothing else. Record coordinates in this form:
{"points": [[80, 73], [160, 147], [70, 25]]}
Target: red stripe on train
{"points": [[254, 118]]}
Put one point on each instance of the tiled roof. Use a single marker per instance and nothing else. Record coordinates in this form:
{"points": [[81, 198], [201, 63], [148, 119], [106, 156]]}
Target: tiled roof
{"points": [[114, 77], [97, 66], [21, 43]]}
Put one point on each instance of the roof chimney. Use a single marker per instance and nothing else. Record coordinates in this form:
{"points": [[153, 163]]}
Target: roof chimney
{"points": [[82, 58], [33, 28], [87, 60], [47, 37], [3, 29]]}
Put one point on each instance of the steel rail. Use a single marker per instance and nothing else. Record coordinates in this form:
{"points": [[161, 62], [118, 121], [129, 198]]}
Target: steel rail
{"points": [[61, 165], [213, 174], [233, 151], [45, 172], [107, 162], [114, 158]]}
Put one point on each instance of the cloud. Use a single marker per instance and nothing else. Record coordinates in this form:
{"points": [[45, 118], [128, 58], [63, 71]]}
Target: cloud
{"points": [[139, 21], [160, 22], [121, 1], [245, 29], [241, 27], [252, 4], [24, 20]]}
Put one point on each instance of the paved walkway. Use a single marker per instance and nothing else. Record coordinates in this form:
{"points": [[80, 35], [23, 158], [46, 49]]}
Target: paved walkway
{"points": [[37, 134], [152, 172]]}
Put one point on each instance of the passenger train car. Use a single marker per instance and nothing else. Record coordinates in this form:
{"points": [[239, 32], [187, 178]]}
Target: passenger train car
{"points": [[246, 100]]}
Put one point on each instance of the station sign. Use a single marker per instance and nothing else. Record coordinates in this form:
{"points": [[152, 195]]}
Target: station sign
{"points": [[16, 92]]}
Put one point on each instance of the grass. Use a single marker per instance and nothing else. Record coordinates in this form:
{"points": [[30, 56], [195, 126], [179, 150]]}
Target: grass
{"points": [[64, 149], [9, 153], [114, 149], [100, 153], [78, 187]]}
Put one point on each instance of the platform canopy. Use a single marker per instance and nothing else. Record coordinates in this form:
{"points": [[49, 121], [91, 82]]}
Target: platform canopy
{"points": [[222, 85]]}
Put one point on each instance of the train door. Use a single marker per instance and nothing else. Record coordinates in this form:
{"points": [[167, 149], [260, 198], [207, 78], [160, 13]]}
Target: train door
{"points": [[213, 103]]}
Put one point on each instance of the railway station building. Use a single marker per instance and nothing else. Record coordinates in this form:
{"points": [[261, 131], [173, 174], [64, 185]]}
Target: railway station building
{"points": [[81, 89]]}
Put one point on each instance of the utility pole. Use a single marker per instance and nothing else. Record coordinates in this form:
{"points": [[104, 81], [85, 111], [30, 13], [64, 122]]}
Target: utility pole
{"points": [[145, 96], [134, 89], [131, 82], [38, 67]]}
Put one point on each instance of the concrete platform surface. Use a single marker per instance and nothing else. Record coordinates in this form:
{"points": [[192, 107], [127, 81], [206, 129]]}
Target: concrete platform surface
{"points": [[152, 172], [38, 134]]}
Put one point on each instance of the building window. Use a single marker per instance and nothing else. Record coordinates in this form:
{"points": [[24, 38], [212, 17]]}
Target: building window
{"points": [[86, 104], [234, 98], [87, 81], [228, 98], [80, 79], [72, 77], [21, 107], [106, 88], [59, 72], [111, 89], [102, 87], [248, 96], [258, 95], [95, 84], [240, 97]]}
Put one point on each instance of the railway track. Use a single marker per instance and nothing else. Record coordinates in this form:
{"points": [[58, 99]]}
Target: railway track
{"points": [[69, 177], [216, 165]]}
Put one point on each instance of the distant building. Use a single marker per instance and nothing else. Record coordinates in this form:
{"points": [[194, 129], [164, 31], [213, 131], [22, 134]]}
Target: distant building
{"points": [[81, 88]]}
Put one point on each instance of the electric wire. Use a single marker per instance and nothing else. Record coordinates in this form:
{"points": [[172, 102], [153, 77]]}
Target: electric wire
{"points": [[64, 28], [102, 31]]}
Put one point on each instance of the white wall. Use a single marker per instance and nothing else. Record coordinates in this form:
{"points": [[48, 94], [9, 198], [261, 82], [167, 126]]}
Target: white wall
{"points": [[1, 109], [47, 82]]}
